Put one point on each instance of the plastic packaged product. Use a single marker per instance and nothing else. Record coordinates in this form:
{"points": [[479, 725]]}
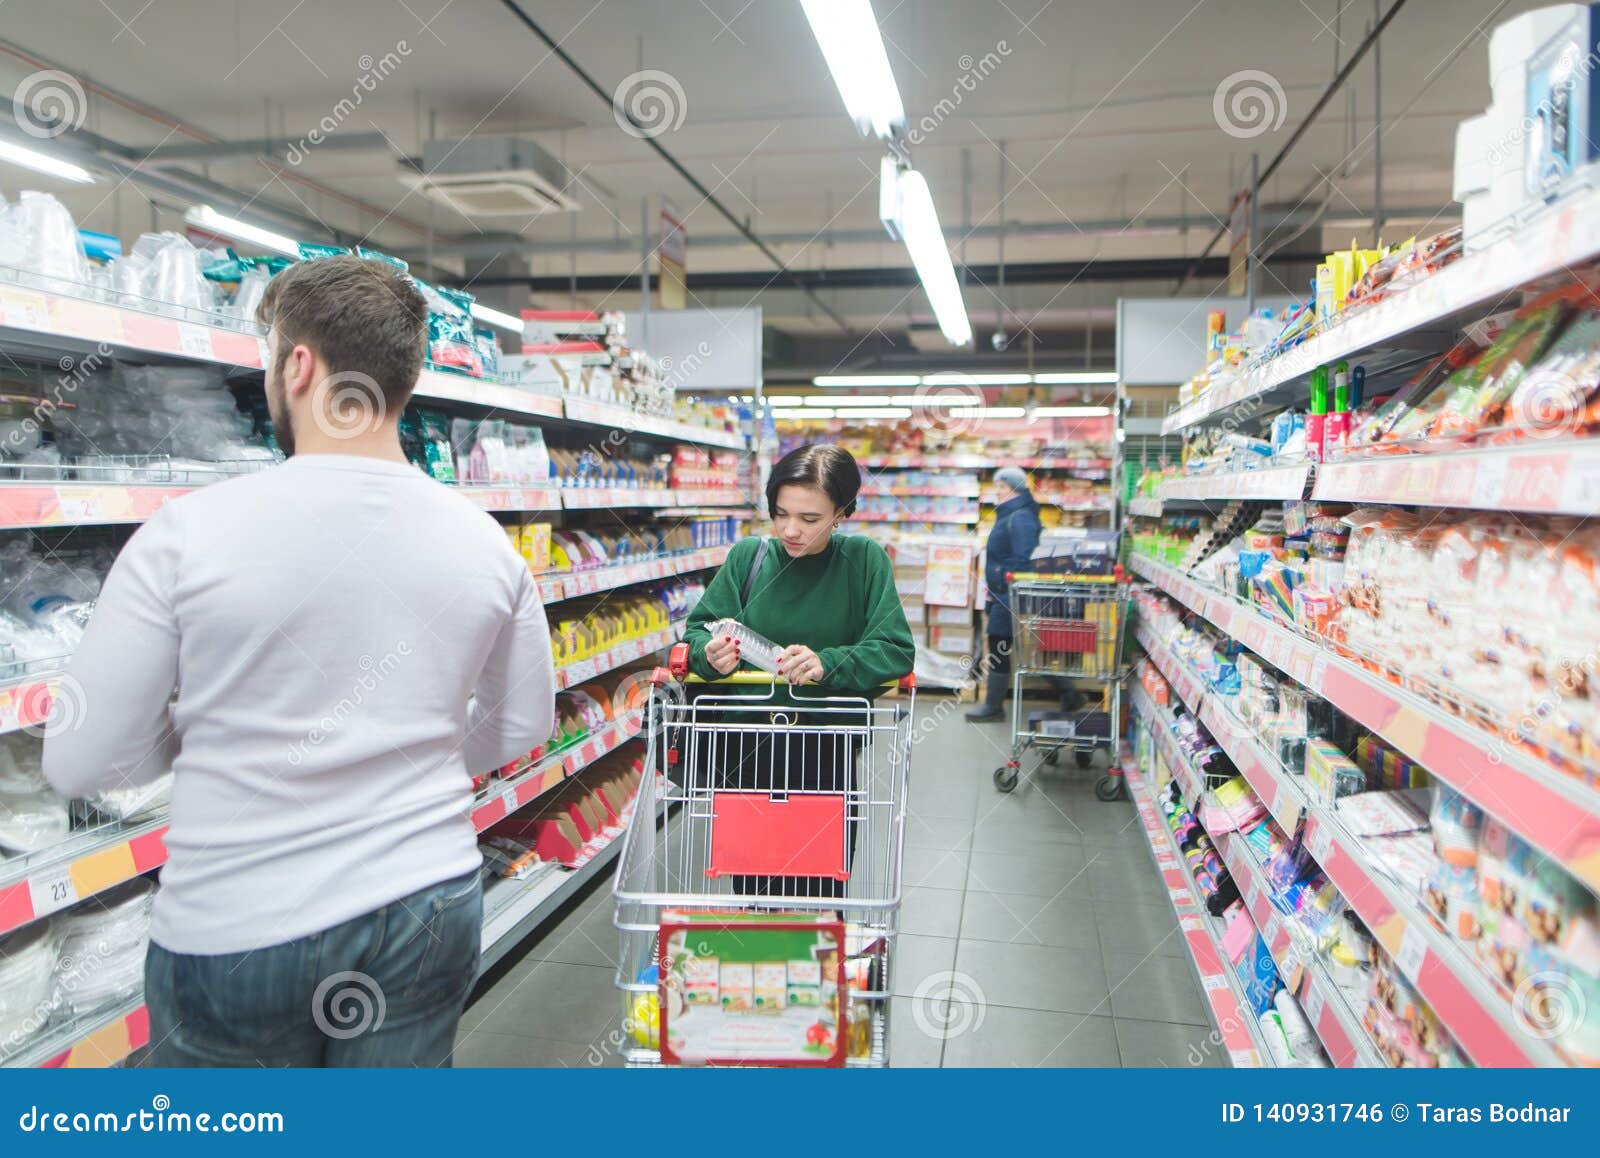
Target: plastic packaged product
{"points": [[27, 958], [754, 648], [174, 273], [54, 249], [103, 942], [136, 801], [32, 816]]}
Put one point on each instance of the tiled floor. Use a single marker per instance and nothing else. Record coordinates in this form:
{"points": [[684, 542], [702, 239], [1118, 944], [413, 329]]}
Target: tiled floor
{"points": [[1034, 932]]}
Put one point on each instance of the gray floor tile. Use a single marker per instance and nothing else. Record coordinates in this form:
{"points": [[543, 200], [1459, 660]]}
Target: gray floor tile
{"points": [[1020, 831], [1150, 1044], [931, 912], [919, 959], [587, 937], [933, 868], [1018, 918], [1138, 928], [941, 832], [479, 1048], [1035, 976], [1155, 988], [575, 1003], [1123, 881], [1044, 871], [914, 1041], [1034, 1038]]}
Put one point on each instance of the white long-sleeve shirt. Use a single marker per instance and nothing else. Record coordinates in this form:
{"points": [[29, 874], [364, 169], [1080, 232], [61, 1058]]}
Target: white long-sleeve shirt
{"points": [[350, 643]]}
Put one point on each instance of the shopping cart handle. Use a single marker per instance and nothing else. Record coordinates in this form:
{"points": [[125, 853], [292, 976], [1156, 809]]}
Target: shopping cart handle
{"points": [[678, 660]]}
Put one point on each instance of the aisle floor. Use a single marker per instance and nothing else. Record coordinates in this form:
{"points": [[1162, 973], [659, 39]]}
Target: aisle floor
{"points": [[1035, 932]]}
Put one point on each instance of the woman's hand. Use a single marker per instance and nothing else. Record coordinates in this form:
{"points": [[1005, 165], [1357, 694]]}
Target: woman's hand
{"points": [[722, 653], [800, 665]]}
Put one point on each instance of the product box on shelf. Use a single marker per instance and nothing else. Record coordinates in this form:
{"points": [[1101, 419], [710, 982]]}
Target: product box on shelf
{"points": [[950, 616], [951, 640], [916, 610]]}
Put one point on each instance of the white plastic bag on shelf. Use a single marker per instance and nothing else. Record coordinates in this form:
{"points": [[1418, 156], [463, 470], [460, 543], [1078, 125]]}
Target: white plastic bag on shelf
{"points": [[53, 248], [252, 286], [128, 275], [27, 967], [102, 948], [173, 275], [136, 802], [13, 240], [32, 816]]}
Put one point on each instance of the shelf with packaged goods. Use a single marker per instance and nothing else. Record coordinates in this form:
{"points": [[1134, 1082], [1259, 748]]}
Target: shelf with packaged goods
{"points": [[26, 702], [554, 588], [96, 1040], [1229, 1011], [591, 498], [1270, 482], [967, 519], [1533, 797], [916, 492], [1552, 241], [503, 797], [513, 909], [579, 671], [1145, 507], [593, 413], [1327, 1008], [1537, 477], [518, 499], [975, 462], [84, 864], [1481, 1019]]}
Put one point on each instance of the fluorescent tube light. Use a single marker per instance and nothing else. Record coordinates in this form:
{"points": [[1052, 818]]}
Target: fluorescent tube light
{"points": [[993, 379], [851, 400], [206, 218], [1072, 412], [919, 225], [497, 317], [882, 380], [781, 412], [869, 412], [1078, 378], [44, 163], [847, 32], [988, 412]]}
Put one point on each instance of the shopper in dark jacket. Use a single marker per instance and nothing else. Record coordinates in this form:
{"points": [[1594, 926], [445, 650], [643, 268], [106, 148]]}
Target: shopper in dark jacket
{"points": [[1011, 545]]}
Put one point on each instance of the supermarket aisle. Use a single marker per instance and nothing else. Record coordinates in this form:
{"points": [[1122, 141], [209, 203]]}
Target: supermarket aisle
{"points": [[1040, 913]]}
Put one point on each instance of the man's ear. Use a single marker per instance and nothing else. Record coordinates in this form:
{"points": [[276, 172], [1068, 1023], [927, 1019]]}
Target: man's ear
{"points": [[299, 371]]}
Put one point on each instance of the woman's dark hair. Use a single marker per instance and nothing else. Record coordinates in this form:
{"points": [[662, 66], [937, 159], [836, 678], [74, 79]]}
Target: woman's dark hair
{"points": [[819, 465]]}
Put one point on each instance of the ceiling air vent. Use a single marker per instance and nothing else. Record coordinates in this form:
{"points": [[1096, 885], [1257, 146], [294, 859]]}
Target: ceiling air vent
{"points": [[493, 177]]}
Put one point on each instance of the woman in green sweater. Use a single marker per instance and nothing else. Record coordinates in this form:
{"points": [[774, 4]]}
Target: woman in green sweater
{"points": [[828, 600]]}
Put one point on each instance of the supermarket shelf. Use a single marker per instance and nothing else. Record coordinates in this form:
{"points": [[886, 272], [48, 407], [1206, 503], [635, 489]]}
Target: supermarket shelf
{"points": [[1327, 1008], [1273, 482], [445, 386], [579, 671], [554, 588], [522, 789], [80, 867], [589, 498], [1202, 933], [594, 413], [97, 1041], [27, 702], [528, 500], [1148, 508], [1540, 801], [28, 504], [977, 462], [1556, 478], [1481, 1019], [56, 322], [916, 492], [509, 918], [1554, 240], [943, 517]]}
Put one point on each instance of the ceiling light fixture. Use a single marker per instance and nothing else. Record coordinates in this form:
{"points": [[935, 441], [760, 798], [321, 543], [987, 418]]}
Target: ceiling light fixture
{"points": [[851, 400], [847, 32], [885, 412], [205, 218], [44, 163], [879, 380], [497, 317], [779, 413], [989, 412], [919, 227], [1077, 378], [1072, 412]]}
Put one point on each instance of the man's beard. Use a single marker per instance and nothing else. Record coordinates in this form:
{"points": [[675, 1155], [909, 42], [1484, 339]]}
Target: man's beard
{"points": [[282, 420]]}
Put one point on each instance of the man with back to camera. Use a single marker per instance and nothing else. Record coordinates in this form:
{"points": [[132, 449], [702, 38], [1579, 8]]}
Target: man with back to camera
{"points": [[354, 642]]}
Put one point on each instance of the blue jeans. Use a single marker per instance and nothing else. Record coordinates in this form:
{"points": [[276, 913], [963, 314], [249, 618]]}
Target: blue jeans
{"points": [[384, 989]]}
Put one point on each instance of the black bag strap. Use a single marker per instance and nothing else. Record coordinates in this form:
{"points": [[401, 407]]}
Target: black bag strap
{"points": [[755, 569]]}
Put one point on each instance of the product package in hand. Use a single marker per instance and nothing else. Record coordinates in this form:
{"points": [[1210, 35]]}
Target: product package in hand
{"points": [[754, 648]]}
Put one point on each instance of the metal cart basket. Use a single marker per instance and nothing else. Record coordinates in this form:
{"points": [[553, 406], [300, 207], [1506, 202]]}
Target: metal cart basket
{"points": [[770, 808], [1067, 626]]}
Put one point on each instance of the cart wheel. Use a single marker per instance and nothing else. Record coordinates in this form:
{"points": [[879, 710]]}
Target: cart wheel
{"points": [[1052, 757], [1084, 757], [1005, 778], [1108, 788]]}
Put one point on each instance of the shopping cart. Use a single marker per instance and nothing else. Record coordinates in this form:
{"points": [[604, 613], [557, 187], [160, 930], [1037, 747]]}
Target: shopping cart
{"points": [[772, 810], [1068, 627]]}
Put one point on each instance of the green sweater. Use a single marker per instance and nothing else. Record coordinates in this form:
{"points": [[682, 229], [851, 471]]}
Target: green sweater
{"points": [[841, 603]]}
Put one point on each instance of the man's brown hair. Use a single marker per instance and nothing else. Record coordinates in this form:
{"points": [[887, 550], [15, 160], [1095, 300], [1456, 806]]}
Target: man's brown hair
{"points": [[362, 316]]}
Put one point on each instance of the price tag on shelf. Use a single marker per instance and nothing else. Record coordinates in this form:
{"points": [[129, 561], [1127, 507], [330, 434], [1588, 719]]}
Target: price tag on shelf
{"points": [[1290, 965], [1319, 842], [1181, 897], [52, 890], [1413, 951], [1315, 1003], [1190, 924], [1253, 895], [194, 341], [509, 799], [1243, 1059], [1212, 982]]}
